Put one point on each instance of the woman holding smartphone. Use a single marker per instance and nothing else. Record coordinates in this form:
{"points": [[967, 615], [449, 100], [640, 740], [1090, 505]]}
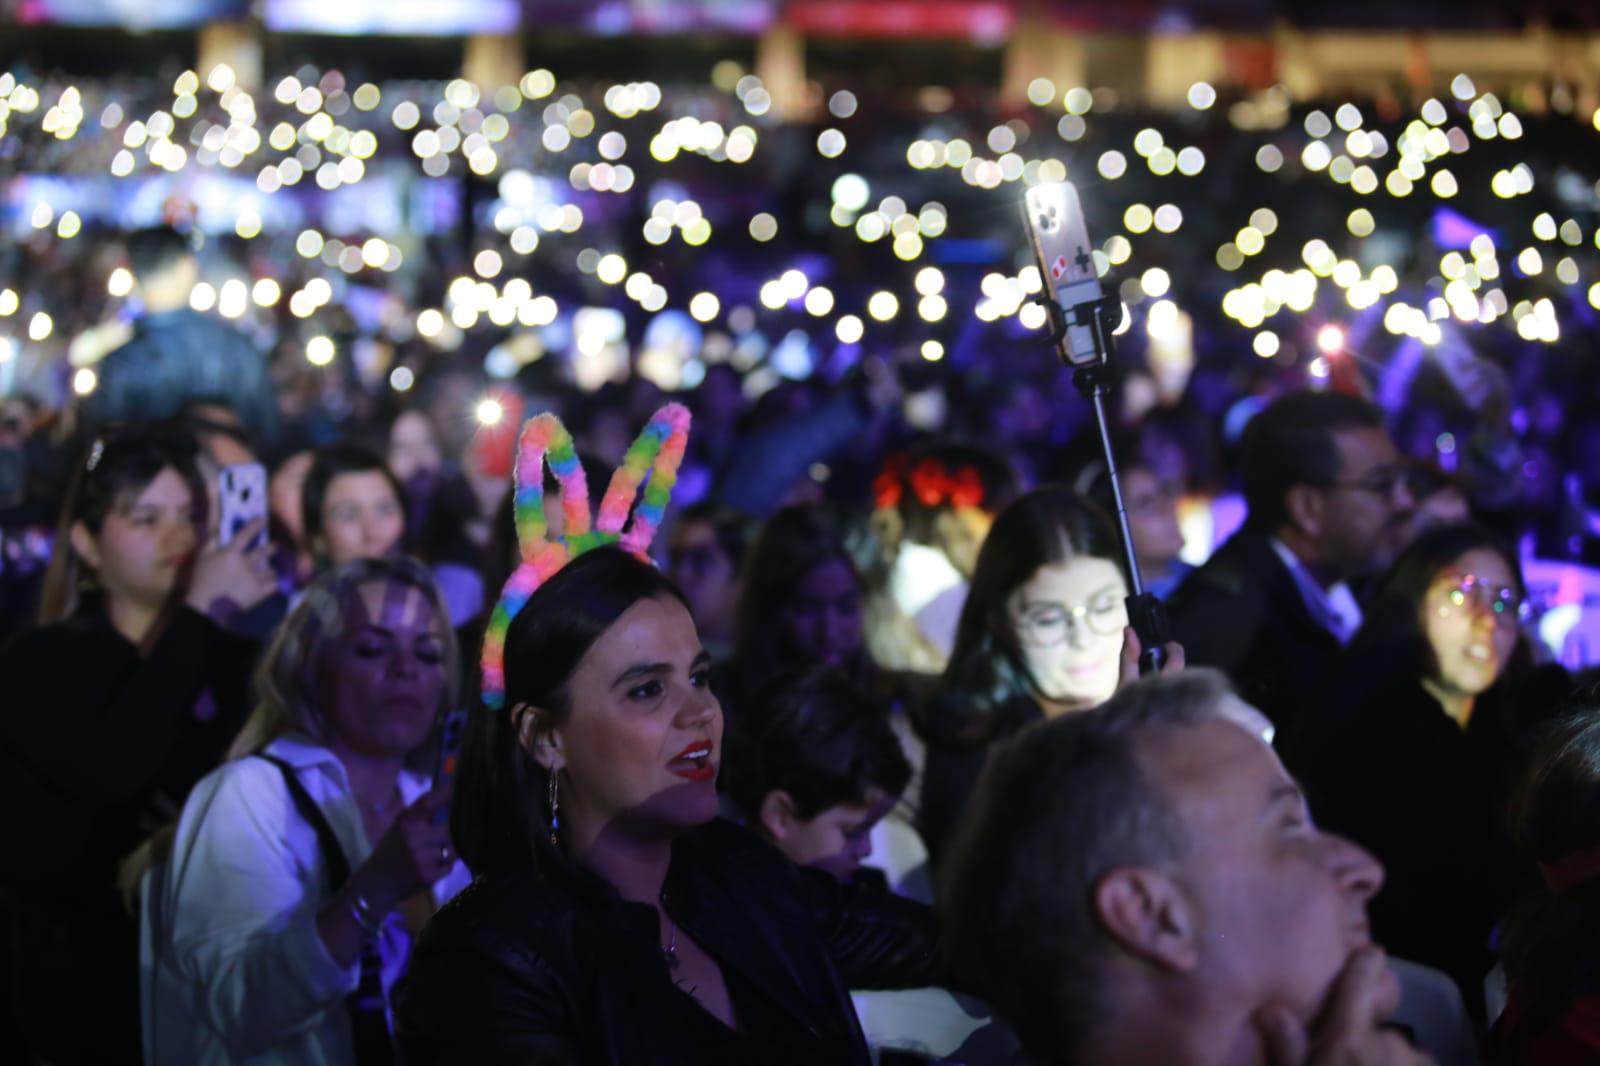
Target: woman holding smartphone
{"points": [[283, 910], [125, 693]]}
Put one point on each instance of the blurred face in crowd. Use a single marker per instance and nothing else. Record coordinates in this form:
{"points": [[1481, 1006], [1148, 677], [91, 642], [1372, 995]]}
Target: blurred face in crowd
{"points": [[1273, 907], [698, 565], [384, 676], [145, 542], [413, 448], [640, 749], [822, 620], [451, 412], [1365, 516], [960, 532], [1068, 620], [283, 493], [608, 437], [1163, 455], [1152, 518], [16, 421], [1445, 507], [361, 517], [837, 840], [223, 449], [1470, 617], [719, 399]]}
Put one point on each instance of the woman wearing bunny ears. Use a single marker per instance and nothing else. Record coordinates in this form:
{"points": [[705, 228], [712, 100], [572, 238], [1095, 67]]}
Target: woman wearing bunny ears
{"points": [[614, 919]]}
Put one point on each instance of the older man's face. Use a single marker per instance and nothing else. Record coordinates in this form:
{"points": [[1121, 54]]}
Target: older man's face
{"points": [[1281, 904]]}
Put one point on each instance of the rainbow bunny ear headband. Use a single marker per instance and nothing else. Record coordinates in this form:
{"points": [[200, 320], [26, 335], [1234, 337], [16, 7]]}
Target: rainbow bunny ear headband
{"points": [[658, 451]]}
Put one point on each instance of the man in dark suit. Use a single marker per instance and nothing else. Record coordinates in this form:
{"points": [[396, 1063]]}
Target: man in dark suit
{"points": [[1327, 503], [178, 357]]}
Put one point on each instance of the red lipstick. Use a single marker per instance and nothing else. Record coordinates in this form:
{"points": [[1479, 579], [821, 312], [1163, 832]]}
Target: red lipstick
{"points": [[694, 763]]}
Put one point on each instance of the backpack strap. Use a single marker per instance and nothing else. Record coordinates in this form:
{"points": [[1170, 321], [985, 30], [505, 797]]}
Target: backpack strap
{"points": [[367, 1006], [311, 814]]}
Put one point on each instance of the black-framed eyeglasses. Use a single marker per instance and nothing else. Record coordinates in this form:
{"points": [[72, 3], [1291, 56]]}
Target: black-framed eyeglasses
{"points": [[1381, 481], [1043, 624]]}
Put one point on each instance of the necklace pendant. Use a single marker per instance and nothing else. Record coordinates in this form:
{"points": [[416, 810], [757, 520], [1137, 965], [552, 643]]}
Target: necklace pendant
{"points": [[670, 955]]}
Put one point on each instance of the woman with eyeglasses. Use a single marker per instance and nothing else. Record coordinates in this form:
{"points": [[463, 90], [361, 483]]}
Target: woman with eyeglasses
{"points": [[1041, 634], [1413, 748]]}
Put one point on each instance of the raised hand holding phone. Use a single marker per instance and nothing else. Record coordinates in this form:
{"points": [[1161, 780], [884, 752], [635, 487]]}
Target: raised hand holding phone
{"points": [[242, 503], [234, 576]]}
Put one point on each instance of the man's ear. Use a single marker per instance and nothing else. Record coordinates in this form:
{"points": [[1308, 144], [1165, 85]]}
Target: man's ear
{"points": [[778, 814], [537, 738], [1307, 509], [1150, 916], [84, 545]]}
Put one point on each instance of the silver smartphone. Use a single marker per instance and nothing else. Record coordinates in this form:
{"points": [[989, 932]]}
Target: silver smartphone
{"points": [[1066, 258]]}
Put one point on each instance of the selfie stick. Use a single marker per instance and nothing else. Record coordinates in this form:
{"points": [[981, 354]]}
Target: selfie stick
{"points": [[1093, 379]]}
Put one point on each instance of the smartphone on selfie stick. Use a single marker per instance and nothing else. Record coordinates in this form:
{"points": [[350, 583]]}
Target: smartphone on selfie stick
{"points": [[1082, 318]]}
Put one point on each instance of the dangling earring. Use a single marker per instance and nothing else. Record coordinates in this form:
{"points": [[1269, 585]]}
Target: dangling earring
{"points": [[555, 810]]}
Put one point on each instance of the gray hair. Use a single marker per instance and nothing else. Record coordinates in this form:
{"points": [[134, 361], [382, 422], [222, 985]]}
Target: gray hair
{"points": [[1057, 808]]}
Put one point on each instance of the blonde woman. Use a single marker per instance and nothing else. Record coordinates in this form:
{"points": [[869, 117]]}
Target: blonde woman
{"points": [[274, 929]]}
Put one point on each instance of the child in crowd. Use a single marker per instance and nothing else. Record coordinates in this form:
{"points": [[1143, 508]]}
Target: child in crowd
{"points": [[821, 773], [822, 767]]}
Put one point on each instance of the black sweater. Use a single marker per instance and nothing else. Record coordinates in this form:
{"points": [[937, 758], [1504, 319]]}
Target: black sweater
{"points": [[99, 745]]}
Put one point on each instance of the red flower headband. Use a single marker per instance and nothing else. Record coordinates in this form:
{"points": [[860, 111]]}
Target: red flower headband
{"points": [[932, 485]]}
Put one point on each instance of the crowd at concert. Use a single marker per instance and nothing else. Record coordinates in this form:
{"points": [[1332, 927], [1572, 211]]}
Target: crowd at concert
{"points": [[807, 725]]}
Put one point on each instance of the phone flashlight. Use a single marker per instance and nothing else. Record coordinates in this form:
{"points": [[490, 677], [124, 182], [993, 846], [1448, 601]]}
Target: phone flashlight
{"points": [[489, 412], [499, 417]]}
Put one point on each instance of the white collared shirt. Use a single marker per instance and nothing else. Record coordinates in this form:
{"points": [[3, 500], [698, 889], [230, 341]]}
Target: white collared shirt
{"points": [[232, 969], [1334, 608]]}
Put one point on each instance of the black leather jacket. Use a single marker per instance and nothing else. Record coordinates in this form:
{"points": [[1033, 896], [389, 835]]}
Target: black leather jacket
{"points": [[525, 967]]}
